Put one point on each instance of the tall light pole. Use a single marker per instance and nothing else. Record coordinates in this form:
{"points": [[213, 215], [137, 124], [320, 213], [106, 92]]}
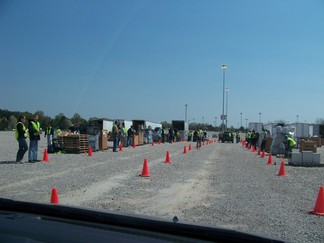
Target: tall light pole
{"points": [[224, 67], [186, 112], [297, 117], [241, 118], [260, 116], [226, 90]]}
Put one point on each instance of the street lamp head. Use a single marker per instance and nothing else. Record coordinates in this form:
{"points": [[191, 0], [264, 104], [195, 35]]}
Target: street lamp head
{"points": [[223, 66]]}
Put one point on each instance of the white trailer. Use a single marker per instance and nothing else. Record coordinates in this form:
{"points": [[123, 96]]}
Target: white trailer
{"points": [[153, 125], [107, 125], [256, 126], [140, 125], [301, 130], [128, 124]]}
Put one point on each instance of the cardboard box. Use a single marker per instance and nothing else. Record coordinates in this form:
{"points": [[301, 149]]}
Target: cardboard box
{"points": [[103, 140], [140, 138], [135, 139]]}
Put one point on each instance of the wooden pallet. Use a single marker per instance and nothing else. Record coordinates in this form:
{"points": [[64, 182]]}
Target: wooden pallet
{"points": [[74, 143]]}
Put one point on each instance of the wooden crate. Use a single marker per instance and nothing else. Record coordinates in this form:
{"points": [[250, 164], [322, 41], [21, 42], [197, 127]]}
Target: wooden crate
{"points": [[317, 140], [308, 146], [74, 143]]}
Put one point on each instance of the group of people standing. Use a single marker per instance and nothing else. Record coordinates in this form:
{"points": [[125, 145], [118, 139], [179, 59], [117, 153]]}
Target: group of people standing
{"points": [[33, 131], [22, 132], [122, 135]]}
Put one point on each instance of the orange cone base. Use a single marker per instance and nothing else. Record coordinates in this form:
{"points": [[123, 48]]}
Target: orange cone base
{"points": [[319, 205]]}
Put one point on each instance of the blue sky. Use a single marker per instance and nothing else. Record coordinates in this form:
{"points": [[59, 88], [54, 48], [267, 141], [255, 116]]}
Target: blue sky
{"points": [[146, 59]]}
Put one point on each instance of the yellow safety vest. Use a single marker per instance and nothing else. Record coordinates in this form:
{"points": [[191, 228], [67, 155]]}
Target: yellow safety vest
{"points": [[24, 128], [36, 127]]}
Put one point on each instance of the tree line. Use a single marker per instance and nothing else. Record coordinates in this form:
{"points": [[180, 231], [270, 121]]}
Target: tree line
{"points": [[8, 120]]}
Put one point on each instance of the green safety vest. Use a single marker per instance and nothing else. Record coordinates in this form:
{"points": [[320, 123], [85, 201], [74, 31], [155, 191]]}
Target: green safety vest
{"points": [[291, 142], [199, 133], [124, 130], [48, 131], [24, 128], [36, 127]]}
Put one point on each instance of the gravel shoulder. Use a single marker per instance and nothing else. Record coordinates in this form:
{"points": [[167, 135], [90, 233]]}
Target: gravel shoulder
{"points": [[219, 185]]}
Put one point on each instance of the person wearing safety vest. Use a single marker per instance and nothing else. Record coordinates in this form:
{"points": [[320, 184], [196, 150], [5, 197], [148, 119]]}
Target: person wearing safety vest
{"points": [[199, 137], [124, 135], [291, 144], [115, 135], [238, 137], [163, 135], [248, 138], [34, 136], [21, 134], [189, 136], [50, 134]]}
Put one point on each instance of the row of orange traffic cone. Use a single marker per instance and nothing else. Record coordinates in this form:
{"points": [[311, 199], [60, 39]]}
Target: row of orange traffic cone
{"points": [[318, 209], [319, 205]]}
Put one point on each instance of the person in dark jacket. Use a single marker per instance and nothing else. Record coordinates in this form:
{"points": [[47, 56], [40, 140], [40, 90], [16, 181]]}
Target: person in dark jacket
{"points": [[34, 136], [21, 133]]}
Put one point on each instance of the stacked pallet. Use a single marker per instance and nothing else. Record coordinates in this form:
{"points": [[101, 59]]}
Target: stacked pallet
{"points": [[74, 143]]}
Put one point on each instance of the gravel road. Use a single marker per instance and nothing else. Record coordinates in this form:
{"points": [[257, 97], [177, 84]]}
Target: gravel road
{"points": [[219, 185]]}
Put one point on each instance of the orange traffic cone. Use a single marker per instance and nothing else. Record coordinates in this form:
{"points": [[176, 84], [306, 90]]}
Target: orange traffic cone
{"points": [[45, 157], [120, 147], [259, 151], [152, 143], [270, 159], [319, 205], [249, 147], [253, 148], [134, 145], [282, 169], [54, 196], [145, 171], [190, 148], [159, 142], [90, 151], [263, 153], [185, 149], [167, 157]]}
